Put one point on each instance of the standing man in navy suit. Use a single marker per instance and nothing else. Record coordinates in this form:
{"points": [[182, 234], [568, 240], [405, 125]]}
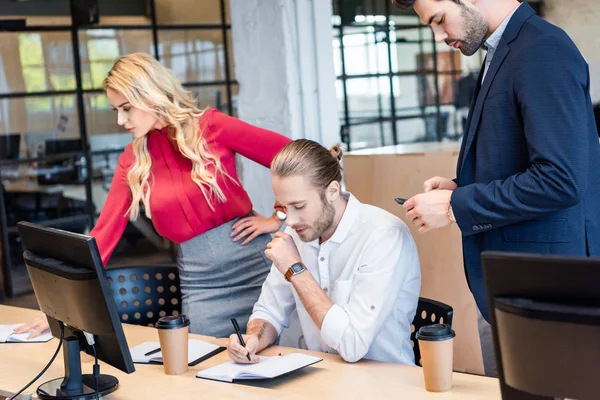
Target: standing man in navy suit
{"points": [[527, 176]]}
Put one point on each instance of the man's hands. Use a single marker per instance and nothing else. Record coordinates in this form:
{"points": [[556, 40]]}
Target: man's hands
{"points": [[237, 353], [429, 210], [259, 335], [283, 252], [438, 183]]}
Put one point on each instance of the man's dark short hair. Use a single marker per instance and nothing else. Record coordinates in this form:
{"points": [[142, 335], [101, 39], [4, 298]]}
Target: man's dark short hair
{"points": [[408, 4]]}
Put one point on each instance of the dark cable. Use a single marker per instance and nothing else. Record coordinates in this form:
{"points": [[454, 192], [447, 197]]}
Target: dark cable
{"points": [[96, 369], [62, 335]]}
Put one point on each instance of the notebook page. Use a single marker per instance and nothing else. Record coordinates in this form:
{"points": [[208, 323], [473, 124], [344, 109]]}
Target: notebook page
{"points": [[137, 352], [7, 335], [6, 331], [268, 367]]}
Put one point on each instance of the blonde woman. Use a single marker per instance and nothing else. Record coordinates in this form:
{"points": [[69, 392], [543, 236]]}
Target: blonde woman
{"points": [[181, 167]]}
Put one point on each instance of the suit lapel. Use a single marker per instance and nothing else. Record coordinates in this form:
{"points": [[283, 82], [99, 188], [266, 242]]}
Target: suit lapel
{"points": [[501, 53], [469, 117]]}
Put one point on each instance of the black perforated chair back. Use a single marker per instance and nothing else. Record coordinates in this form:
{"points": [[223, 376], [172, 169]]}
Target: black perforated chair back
{"points": [[428, 312], [145, 294]]}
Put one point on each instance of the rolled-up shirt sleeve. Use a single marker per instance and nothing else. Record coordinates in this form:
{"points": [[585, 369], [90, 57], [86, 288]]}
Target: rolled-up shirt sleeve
{"points": [[389, 262], [276, 301]]}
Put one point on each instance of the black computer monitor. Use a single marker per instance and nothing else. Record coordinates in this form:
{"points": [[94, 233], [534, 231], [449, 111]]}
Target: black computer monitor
{"points": [[10, 146], [59, 146], [68, 278], [67, 170], [545, 317]]}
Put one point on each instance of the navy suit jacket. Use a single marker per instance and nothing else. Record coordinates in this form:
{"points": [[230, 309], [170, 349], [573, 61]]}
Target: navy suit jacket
{"points": [[528, 172]]}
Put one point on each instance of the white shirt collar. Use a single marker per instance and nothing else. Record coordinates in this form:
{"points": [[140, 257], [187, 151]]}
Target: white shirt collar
{"points": [[494, 39]]}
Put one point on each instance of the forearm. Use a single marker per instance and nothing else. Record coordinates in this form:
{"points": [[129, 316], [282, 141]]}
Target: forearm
{"points": [[528, 195], [264, 331], [315, 301]]}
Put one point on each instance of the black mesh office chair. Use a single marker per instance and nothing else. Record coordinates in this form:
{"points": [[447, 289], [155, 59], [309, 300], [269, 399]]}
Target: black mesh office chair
{"points": [[144, 294], [428, 312]]}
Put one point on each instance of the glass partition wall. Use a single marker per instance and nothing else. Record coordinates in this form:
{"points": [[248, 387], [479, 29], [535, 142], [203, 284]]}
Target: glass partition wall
{"points": [[59, 140], [394, 83]]}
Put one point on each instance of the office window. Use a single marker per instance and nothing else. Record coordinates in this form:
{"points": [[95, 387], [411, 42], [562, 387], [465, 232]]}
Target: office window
{"points": [[99, 49], [102, 53], [194, 55], [40, 59], [46, 62], [394, 83], [31, 55]]}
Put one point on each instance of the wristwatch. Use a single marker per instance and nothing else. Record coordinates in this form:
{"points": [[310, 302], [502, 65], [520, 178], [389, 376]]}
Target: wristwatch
{"points": [[295, 269]]}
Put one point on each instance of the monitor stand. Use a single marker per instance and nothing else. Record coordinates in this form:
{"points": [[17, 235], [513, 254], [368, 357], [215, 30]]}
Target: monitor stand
{"points": [[74, 385]]}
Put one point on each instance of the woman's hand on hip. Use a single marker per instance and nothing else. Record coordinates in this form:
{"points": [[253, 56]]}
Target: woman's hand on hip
{"points": [[253, 226]]}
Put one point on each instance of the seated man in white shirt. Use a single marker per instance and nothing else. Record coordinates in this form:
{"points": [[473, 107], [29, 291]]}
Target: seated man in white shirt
{"points": [[350, 269]]}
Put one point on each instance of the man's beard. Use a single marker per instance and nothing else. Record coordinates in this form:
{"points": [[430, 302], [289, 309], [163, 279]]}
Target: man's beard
{"points": [[324, 221], [475, 30]]}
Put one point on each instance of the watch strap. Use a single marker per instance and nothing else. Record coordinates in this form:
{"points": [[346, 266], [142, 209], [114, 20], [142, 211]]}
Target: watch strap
{"points": [[290, 272]]}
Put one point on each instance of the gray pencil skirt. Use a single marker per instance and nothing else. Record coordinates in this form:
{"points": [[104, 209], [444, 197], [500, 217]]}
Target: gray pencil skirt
{"points": [[221, 279]]}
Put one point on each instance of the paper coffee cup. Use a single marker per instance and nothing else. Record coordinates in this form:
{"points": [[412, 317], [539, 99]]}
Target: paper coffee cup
{"points": [[173, 336], [436, 344]]}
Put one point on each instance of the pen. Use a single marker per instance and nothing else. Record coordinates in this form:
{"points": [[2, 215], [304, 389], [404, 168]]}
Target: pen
{"points": [[152, 352], [400, 200], [239, 335]]}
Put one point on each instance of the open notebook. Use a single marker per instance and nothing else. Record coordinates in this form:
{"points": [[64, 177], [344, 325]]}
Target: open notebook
{"points": [[7, 335], [198, 351], [267, 368]]}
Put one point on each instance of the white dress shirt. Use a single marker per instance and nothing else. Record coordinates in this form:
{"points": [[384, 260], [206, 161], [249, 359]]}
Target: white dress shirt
{"points": [[370, 269]]}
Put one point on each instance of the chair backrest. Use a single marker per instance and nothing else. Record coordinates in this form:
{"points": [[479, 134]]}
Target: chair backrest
{"points": [[428, 312], [145, 294]]}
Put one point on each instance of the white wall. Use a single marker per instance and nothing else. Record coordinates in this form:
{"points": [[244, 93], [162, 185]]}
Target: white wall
{"points": [[579, 18], [284, 65]]}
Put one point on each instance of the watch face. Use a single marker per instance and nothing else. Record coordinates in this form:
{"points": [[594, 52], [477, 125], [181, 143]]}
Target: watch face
{"points": [[297, 268]]}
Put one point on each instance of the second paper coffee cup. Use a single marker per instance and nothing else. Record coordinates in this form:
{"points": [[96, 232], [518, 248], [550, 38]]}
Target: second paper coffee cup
{"points": [[436, 344], [173, 336]]}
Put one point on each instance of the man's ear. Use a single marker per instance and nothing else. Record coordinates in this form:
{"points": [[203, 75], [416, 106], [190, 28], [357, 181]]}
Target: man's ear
{"points": [[333, 191]]}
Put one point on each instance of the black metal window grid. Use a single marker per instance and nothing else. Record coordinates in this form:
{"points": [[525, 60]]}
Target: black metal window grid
{"points": [[12, 280], [382, 32]]}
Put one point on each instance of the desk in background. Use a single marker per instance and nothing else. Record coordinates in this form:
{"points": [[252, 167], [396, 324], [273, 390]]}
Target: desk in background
{"points": [[332, 378]]}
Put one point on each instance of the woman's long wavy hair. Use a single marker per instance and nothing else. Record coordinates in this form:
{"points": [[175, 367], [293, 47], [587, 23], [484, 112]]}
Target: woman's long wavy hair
{"points": [[151, 87]]}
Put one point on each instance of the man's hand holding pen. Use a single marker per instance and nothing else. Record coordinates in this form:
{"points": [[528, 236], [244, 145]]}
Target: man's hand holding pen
{"points": [[239, 353]]}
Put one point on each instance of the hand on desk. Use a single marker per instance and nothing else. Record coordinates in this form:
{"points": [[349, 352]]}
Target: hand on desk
{"points": [[237, 353], [37, 325]]}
